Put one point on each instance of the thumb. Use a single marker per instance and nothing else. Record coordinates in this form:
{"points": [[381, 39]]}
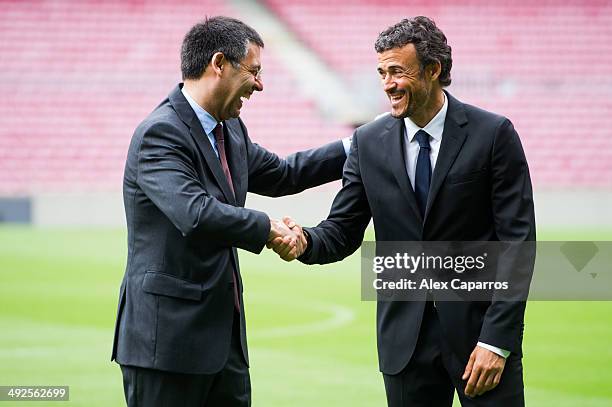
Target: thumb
{"points": [[468, 367], [288, 221]]}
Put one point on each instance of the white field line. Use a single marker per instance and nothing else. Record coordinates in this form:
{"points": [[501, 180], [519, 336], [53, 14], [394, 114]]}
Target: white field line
{"points": [[339, 316]]}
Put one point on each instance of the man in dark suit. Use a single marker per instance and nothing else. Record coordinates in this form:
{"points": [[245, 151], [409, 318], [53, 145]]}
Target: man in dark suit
{"points": [[435, 169], [180, 332]]}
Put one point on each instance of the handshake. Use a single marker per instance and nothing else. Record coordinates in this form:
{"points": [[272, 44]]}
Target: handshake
{"points": [[287, 239]]}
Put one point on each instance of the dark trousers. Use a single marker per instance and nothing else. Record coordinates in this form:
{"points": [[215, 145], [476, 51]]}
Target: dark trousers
{"points": [[231, 387], [434, 373]]}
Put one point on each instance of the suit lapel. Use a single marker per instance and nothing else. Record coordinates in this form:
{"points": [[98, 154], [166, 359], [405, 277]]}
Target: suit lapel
{"points": [[392, 140], [188, 116], [211, 158], [453, 137]]}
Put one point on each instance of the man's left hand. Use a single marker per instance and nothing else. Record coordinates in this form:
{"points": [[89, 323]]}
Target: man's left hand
{"points": [[483, 371]]}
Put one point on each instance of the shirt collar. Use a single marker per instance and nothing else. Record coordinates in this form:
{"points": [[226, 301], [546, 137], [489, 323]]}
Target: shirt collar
{"points": [[434, 128], [208, 122]]}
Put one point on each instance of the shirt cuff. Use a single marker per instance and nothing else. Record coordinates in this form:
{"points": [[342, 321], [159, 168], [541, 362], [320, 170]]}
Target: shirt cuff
{"points": [[346, 143], [501, 352]]}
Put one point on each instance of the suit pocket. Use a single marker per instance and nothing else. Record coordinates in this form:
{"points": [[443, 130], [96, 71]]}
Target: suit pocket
{"points": [[171, 286], [468, 176]]}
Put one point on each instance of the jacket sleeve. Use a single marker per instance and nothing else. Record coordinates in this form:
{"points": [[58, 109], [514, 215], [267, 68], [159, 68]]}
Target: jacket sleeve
{"points": [[514, 217], [166, 174], [342, 232], [273, 176]]}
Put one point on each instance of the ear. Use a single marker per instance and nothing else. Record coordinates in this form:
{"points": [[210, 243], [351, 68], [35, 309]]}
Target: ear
{"points": [[217, 62], [433, 70]]}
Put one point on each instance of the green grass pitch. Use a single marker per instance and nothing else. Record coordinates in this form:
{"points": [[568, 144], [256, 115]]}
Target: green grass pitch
{"points": [[311, 338]]}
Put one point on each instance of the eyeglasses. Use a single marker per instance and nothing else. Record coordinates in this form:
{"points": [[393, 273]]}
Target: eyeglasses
{"points": [[256, 72]]}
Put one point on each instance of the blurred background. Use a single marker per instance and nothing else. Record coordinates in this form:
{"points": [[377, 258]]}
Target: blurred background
{"points": [[78, 76]]}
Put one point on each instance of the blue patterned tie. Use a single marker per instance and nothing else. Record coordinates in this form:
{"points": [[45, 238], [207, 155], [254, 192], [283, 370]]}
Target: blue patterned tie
{"points": [[422, 177]]}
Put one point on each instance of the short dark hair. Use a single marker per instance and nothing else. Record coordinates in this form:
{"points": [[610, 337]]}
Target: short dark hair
{"points": [[428, 39], [215, 34]]}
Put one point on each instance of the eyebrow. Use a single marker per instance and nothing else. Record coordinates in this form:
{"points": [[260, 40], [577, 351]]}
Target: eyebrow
{"points": [[379, 68]]}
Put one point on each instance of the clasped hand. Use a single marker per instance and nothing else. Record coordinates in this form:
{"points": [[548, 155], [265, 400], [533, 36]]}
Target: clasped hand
{"points": [[287, 239]]}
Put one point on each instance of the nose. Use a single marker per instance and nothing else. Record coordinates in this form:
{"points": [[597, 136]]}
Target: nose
{"points": [[258, 85], [388, 83]]}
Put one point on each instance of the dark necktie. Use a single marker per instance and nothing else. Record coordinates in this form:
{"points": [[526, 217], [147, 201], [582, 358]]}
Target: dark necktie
{"points": [[422, 177], [218, 133]]}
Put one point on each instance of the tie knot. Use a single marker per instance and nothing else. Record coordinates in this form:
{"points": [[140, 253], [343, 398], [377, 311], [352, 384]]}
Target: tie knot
{"points": [[423, 138], [218, 133]]}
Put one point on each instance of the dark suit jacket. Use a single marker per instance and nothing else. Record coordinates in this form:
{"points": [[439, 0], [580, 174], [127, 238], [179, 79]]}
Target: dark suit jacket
{"points": [[184, 224], [480, 191]]}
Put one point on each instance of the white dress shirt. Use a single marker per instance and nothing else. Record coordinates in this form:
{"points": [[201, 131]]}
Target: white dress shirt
{"points": [[434, 128], [206, 119]]}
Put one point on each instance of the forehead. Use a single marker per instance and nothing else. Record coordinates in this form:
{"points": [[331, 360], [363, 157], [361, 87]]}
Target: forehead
{"points": [[253, 56], [405, 56]]}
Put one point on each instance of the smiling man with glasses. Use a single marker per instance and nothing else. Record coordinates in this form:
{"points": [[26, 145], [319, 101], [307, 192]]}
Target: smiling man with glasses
{"points": [[180, 333]]}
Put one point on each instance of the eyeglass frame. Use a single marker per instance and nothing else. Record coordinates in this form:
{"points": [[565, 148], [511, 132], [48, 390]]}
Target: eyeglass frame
{"points": [[256, 72]]}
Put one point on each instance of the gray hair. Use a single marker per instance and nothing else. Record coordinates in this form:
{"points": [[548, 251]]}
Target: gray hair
{"points": [[428, 39]]}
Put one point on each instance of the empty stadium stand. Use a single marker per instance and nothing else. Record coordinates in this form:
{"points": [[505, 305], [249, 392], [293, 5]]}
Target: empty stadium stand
{"points": [[546, 65], [77, 77]]}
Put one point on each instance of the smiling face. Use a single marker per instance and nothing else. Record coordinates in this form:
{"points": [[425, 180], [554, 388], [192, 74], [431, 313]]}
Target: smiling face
{"points": [[408, 88], [239, 83]]}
